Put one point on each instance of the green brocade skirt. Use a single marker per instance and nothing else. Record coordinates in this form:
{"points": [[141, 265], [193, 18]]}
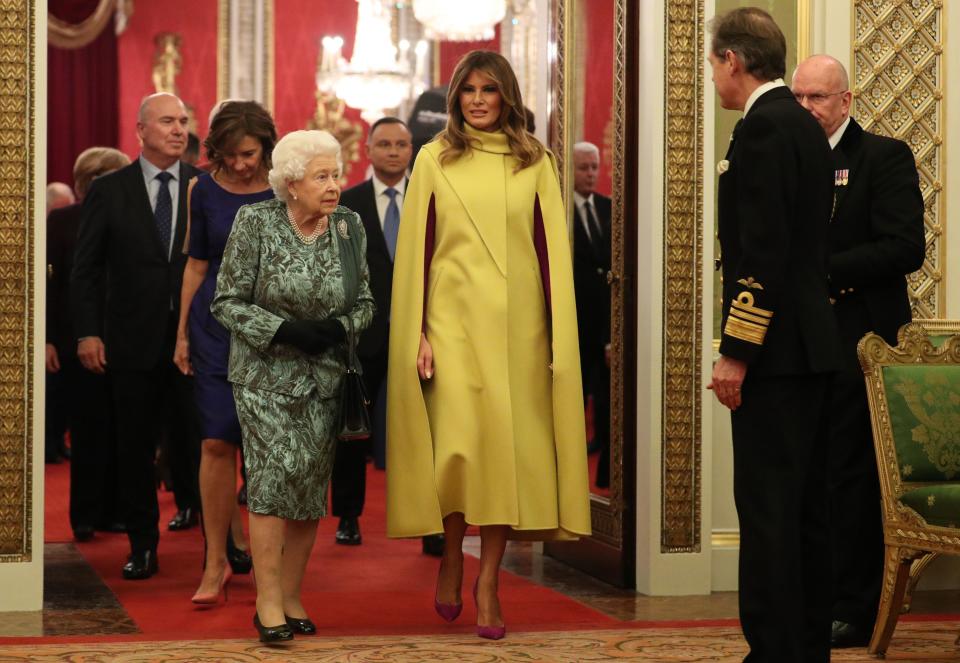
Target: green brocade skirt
{"points": [[288, 449]]}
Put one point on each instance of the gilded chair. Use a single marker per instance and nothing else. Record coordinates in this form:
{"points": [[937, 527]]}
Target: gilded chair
{"points": [[914, 395]]}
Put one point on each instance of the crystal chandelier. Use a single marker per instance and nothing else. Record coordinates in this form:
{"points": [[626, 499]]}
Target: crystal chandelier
{"points": [[378, 76], [459, 21]]}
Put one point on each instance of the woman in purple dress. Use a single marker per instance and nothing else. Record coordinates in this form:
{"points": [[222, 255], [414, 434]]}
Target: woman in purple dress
{"points": [[241, 139]]}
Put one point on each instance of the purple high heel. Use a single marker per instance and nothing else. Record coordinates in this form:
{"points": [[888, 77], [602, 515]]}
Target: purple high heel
{"points": [[447, 611], [488, 632]]}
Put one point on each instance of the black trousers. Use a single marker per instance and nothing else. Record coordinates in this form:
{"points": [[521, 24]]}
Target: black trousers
{"points": [[147, 402], [856, 530], [596, 382], [779, 484], [348, 483], [80, 401]]}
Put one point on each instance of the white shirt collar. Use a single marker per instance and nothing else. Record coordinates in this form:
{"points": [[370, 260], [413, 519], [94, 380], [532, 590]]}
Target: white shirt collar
{"points": [[766, 87], [580, 201], [379, 187], [150, 171], [838, 134]]}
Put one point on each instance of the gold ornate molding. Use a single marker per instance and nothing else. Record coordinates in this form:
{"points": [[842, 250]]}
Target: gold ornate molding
{"points": [[17, 160], [166, 62], [66, 35], [898, 91], [682, 280], [328, 116]]}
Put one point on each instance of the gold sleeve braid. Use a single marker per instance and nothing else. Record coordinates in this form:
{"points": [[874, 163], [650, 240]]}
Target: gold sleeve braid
{"points": [[747, 322]]}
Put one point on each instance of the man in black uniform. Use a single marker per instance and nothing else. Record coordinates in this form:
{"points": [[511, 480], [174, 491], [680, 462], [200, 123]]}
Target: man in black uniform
{"points": [[876, 239], [378, 201], [779, 345]]}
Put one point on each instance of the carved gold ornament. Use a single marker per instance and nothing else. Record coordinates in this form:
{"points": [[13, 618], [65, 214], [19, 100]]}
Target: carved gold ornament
{"points": [[682, 277], [329, 117], [898, 91], [17, 300]]}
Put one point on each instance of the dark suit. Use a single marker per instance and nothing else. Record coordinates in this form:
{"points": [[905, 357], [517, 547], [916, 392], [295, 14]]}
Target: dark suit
{"points": [[774, 210], [348, 484], [79, 396], [591, 262], [876, 238], [118, 244]]}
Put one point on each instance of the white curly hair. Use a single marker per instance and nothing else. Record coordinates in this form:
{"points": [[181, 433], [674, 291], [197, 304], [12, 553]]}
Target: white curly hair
{"points": [[294, 151]]}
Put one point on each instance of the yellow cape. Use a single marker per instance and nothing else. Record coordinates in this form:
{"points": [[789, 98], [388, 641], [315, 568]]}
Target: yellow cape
{"points": [[495, 434]]}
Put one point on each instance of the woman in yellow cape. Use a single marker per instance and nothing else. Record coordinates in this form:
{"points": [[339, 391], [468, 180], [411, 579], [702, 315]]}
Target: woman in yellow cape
{"points": [[485, 420]]}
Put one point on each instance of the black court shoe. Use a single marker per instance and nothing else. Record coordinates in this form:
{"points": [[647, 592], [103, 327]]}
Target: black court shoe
{"points": [[239, 560], [304, 626], [270, 634]]}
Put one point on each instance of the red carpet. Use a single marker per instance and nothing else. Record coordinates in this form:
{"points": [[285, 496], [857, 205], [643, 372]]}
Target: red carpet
{"points": [[384, 586]]}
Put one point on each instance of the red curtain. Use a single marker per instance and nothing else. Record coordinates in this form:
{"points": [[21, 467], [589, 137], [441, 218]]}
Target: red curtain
{"points": [[82, 93]]}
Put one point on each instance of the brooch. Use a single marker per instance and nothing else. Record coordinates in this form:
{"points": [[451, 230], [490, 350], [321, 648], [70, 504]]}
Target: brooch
{"points": [[343, 229], [723, 166]]}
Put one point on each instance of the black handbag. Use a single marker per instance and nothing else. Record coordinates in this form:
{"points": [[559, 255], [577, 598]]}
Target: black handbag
{"points": [[354, 420]]}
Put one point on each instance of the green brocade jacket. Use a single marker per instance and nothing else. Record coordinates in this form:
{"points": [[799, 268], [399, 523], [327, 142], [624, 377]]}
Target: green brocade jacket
{"points": [[269, 275]]}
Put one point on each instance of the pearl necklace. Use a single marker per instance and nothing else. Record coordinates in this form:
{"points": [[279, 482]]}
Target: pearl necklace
{"points": [[306, 239]]}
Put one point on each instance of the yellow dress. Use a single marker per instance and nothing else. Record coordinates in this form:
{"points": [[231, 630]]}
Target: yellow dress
{"points": [[496, 434]]}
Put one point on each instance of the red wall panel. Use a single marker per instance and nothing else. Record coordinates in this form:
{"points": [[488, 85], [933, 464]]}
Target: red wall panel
{"points": [[452, 51], [598, 84], [196, 23]]}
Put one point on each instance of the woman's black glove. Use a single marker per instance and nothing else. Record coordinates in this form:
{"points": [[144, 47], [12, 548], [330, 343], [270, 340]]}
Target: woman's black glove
{"points": [[301, 334], [332, 331], [309, 336]]}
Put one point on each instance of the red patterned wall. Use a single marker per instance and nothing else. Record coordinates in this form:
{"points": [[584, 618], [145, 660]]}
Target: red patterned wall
{"points": [[452, 51], [196, 23], [598, 84]]}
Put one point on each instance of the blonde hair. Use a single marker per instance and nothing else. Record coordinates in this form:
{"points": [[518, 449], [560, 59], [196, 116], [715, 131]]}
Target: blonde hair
{"points": [[513, 121], [94, 162]]}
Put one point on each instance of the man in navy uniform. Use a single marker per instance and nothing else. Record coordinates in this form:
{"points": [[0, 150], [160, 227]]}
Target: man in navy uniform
{"points": [[876, 239], [779, 346]]}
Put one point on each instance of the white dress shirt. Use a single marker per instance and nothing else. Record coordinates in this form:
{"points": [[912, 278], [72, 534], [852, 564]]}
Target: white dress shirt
{"points": [[837, 135]]}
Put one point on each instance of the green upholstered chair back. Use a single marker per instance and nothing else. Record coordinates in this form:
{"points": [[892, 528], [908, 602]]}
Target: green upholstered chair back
{"points": [[924, 407]]}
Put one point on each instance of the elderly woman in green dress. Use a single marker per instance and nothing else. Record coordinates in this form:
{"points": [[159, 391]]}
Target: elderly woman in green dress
{"points": [[294, 275]]}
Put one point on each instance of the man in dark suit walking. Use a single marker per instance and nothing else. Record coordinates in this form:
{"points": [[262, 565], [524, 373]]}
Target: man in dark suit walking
{"points": [[591, 262], [779, 345], [378, 201], [876, 239], [132, 228]]}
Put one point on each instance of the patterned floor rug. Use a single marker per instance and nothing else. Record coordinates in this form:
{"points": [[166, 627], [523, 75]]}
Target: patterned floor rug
{"points": [[914, 641]]}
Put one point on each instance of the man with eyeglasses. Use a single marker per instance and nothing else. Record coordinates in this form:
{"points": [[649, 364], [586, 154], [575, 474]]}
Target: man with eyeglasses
{"points": [[379, 202], [876, 239]]}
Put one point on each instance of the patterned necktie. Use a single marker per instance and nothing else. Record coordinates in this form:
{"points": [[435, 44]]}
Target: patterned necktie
{"points": [[391, 222], [163, 212]]}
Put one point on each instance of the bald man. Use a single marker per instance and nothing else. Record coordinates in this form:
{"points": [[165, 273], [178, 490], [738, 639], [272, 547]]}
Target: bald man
{"points": [[132, 227], [876, 238]]}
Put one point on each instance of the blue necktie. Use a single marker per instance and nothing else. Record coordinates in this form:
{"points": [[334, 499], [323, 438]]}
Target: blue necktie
{"points": [[391, 222], [163, 212]]}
